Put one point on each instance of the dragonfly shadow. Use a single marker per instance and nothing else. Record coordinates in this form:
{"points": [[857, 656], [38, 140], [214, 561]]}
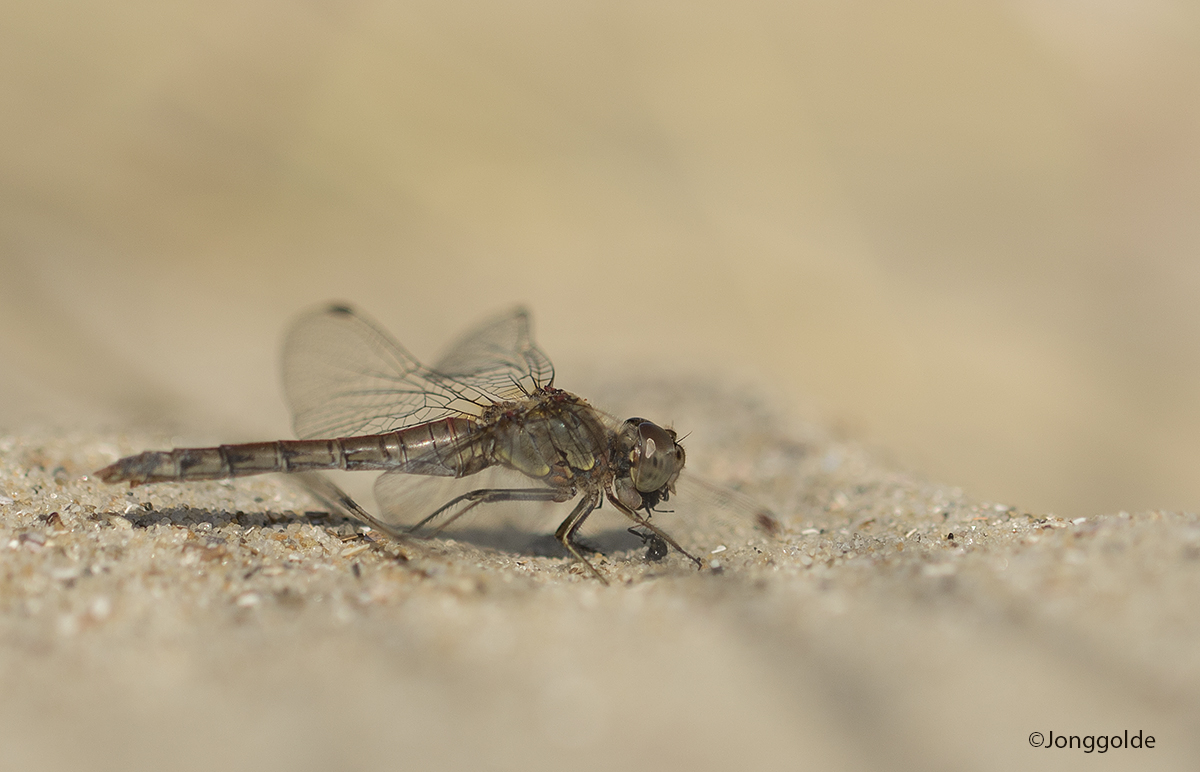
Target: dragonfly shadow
{"points": [[503, 539], [522, 542], [190, 516]]}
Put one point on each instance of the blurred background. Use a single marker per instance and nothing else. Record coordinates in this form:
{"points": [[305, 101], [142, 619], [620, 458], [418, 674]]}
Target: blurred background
{"points": [[966, 233]]}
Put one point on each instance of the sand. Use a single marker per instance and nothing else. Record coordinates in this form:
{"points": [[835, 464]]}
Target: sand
{"points": [[882, 621]]}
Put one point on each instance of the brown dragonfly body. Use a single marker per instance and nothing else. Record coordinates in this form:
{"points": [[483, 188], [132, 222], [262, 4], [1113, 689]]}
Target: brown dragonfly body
{"points": [[360, 402]]}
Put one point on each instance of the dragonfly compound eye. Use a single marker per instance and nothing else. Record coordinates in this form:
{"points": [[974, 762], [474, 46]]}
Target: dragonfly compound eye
{"points": [[658, 458]]}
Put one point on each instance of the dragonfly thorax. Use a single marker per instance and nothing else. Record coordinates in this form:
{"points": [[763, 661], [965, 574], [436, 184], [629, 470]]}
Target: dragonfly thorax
{"points": [[648, 461]]}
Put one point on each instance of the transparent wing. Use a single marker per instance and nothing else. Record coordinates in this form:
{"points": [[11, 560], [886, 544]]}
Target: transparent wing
{"points": [[499, 357], [717, 523], [712, 515], [515, 526], [344, 376], [521, 527], [711, 521]]}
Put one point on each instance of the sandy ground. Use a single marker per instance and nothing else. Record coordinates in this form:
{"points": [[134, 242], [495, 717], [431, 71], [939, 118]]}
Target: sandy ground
{"points": [[887, 623]]}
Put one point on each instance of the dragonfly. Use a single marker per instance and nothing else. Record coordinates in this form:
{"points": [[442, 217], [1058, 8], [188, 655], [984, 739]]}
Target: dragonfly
{"points": [[360, 401]]}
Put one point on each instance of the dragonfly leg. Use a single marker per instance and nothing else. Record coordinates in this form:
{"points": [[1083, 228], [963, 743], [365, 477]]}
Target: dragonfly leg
{"points": [[486, 496], [332, 496], [660, 533], [566, 530], [565, 533]]}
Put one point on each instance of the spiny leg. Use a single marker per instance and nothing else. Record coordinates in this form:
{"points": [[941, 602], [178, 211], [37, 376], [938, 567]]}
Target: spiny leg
{"points": [[660, 533], [486, 496], [565, 532]]}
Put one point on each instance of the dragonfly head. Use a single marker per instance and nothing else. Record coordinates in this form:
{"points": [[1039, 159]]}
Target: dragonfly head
{"points": [[648, 461]]}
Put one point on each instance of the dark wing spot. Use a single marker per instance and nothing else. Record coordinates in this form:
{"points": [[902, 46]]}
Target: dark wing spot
{"points": [[338, 308], [768, 523]]}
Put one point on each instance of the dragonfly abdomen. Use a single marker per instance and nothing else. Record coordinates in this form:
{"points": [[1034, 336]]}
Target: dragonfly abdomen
{"points": [[434, 448]]}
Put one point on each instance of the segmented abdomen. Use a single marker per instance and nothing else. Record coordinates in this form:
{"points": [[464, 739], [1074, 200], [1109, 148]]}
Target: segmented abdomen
{"points": [[443, 448]]}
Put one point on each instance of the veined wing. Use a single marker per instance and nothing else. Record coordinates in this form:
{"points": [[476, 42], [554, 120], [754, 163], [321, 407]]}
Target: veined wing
{"points": [[405, 499], [344, 376], [499, 358], [709, 520]]}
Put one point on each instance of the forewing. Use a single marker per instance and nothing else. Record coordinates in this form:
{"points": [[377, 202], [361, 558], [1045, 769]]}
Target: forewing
{"points": [[344, 376], [499, 358], [713, 515]]}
